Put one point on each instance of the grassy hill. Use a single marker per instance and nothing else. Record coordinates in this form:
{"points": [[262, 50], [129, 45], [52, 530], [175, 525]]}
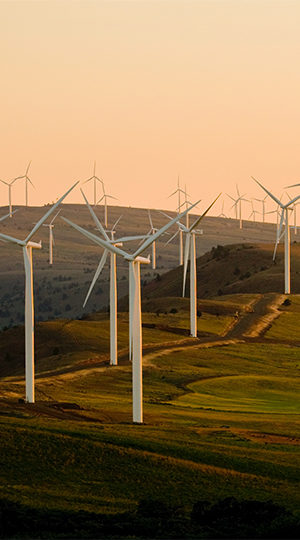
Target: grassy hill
{"points": [[231, 269]]}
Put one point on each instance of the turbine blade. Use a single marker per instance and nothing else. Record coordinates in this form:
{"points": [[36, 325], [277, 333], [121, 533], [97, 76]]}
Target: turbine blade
{"points": [[154, 237], [96, 220], [204, 214], [7, 215], [292, 201], [132, 238], [150, 219], [13, 240], [55, 216], [30, 182], [186, 259], [43, 219], [173, 193], [28, 166], [99, 241], [116, 223], [280, 225], [96, 275], [172, 238], [268, 192], [278, 233]]}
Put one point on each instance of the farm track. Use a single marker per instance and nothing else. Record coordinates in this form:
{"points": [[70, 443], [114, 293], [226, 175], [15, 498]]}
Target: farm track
{"points": [[250, 326]]}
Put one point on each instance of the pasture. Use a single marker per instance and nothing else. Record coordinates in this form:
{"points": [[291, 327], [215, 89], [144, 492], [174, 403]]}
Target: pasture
{"points": [[221, 416]]}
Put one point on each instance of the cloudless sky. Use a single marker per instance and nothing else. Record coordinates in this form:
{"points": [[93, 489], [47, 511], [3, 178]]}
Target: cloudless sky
{"points": [[205, 89]]}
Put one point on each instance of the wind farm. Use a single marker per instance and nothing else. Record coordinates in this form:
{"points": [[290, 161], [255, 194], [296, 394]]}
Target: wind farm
{"points": [[149, 270], [221, 313]]}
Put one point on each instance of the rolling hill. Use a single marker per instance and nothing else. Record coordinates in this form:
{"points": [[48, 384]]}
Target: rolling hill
{"points": [[231, 269]]}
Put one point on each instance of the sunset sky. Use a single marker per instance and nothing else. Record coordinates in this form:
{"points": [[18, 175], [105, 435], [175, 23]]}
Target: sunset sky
{"points": [[208, 90]]}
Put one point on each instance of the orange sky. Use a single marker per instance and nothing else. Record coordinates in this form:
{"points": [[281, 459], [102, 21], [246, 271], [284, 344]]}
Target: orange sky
{"points": [[209, 90]]}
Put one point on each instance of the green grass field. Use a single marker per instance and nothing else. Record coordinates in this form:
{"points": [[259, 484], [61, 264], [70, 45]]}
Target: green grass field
{"points": [[287, 326], [220, 421]]}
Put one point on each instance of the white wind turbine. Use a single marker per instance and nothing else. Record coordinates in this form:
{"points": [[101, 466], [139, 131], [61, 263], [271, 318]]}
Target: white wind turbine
{"points": [[105, 196], [222, 214], [254, 212], [134, 260], [113, 278], [263, 202], [95, 179], [179, 192], [27, 179], [284, 219], [51, 239], [10, 185], [190, 252], [238, 205], [27, 246]]}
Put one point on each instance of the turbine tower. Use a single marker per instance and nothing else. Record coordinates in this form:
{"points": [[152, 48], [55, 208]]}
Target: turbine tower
{"points": [[27, 246], [190, 252], [95, 179], [284, 219], [134, 260]]}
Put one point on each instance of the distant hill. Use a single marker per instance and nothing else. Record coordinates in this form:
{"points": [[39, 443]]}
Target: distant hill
{"points": [[60, 290], [235, 268]]}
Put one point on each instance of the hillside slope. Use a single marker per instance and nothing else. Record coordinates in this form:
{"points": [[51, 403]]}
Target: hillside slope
{"points": [[239, 268]]}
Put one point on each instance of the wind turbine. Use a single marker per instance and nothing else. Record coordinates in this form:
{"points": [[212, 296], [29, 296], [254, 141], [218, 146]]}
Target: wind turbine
{"points": [[27, 179], [95, 180], [105, 197], [51, 239], [134, 260], [253, 213], [113, 278], [190, 250], [179, 191], [222, 215], [10, 185], [263, 202], [27, 246], [238, 205], [284, 219]]}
